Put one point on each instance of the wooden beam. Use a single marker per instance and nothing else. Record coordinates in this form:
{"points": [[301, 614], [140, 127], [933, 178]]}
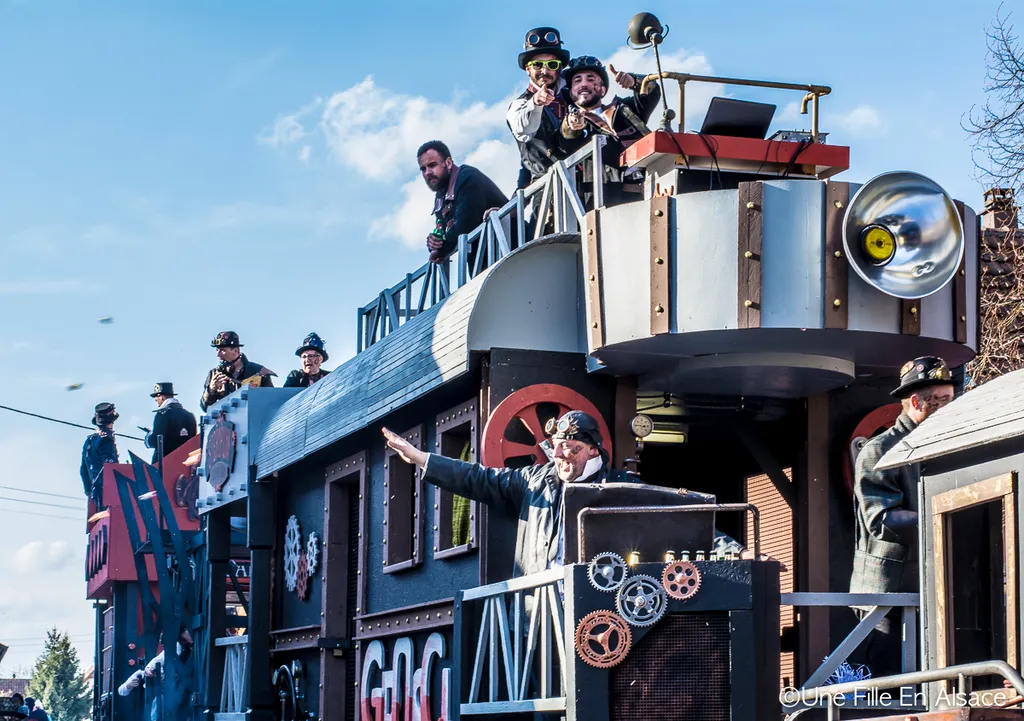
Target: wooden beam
{"points": [[837, 267], [595, 317], [960, 286], [910, 317], [218, 549], [813, 524], [659, 259], [748, 278], [624, 439], [261, 551]]}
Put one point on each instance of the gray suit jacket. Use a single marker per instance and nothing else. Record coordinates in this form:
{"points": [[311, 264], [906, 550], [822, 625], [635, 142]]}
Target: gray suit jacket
{"points": [[881, 563]]}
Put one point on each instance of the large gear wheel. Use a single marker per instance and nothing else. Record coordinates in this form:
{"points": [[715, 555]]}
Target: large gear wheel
{"points": [[641, 600], [292, 550], [681, 580], [607, 571], [603, 639], [302, 577], [313, 551]]}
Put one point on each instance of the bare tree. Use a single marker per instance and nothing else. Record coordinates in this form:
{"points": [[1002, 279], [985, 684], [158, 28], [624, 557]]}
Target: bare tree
{"points": [[998, 127], [1002, 306]]}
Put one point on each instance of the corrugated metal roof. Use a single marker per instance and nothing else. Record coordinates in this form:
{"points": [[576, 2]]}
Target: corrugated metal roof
{"points": [[424, 353], [989, 413]]}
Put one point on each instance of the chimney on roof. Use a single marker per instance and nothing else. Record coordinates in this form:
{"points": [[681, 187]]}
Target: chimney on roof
{"points": [[1000, 210]]}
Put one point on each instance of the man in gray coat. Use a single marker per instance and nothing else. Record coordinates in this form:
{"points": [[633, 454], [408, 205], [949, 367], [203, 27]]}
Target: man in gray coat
{"points": [[885, 509]]}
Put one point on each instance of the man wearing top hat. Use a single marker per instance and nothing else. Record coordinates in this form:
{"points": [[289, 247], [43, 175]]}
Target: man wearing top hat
{"points": [[535, 115], [171, 421], [534, 493], [885, 557], [234, 371], [312, 353], [99, 448]]}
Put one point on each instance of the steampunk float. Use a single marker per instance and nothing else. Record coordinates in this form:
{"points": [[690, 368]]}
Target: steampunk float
{"points": [[735, 332]]}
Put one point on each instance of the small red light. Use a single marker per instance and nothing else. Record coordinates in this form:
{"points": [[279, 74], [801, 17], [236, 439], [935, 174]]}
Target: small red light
{"points": [[131, 662]]}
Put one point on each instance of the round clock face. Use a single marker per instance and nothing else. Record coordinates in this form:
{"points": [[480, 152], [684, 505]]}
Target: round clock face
{"points": [[642, 426]]}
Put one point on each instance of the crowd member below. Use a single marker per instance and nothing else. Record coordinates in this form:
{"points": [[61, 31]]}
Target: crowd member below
{"points": [[234, 371], [533, 493], [36, 711], [99, 448], [885, 509], [535, 115], [623, 121], [462, 194], [171, 421], [312, 353]]}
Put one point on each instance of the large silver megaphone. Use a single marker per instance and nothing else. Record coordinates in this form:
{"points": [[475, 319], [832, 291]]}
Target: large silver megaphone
{"points": [[903, 235]]}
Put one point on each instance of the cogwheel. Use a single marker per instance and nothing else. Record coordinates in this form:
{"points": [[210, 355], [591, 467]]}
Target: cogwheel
{"points": [[641, 600], [681, 580], [292, 549], [302, 577], [607, 571], [603, 639], [313, 551]]}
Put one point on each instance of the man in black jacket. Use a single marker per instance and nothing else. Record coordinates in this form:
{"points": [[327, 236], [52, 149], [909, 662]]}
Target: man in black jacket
{"points": [[622, 121], [312, 353], [462, 195], [171, 421], [534, 493], [99, 448], [234, 371]]}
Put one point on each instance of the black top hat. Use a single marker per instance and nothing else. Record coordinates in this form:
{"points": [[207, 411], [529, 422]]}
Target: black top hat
{"points": [[162, 389], [104, 414], [540, 41], [313, 342], [226, 339], [922, 372], [585, 62], [575, 426]]}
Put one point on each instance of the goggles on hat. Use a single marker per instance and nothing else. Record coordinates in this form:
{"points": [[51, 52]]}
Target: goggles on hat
{"points": [[534, 38], [549, 64]]}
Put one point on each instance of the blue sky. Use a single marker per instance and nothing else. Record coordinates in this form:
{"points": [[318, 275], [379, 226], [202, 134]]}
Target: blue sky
{"points": [[191, 167]]}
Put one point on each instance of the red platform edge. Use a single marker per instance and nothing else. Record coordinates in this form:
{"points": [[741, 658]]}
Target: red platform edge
{"points": [[833, 158]]}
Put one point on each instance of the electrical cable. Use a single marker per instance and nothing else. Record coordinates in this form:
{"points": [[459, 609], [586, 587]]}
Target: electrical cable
{"points": [[41, 503], [41, 515], [66, 423], [39, 493], [714, 161], [801, 147]]}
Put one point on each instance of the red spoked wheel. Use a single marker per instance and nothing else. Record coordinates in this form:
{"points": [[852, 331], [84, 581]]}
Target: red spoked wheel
{"points": [[877, 421], [515, 430]]}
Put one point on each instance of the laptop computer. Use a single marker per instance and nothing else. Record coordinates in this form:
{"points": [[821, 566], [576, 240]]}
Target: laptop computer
{"points": [[738, 118]]}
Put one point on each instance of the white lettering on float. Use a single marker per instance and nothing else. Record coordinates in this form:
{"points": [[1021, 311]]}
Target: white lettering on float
{"points": [[403, 693]]}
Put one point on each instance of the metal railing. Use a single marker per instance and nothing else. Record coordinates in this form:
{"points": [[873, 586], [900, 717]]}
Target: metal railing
{"points": [[555, 207], [519, 678], [233, 692], [879, 604]]}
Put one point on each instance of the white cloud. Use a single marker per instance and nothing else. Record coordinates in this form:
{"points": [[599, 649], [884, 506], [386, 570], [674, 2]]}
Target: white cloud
{"points": [[862, 119], [41, 556], [289, 129]]}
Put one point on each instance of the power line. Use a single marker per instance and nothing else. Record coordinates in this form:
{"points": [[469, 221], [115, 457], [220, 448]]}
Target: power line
{"points": [[66, 423], [40, 503], [40, 493], [41, 515]]}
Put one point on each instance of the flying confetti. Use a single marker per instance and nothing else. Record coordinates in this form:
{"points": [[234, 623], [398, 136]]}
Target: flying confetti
{"points": [[75, 386], [106, 320]]}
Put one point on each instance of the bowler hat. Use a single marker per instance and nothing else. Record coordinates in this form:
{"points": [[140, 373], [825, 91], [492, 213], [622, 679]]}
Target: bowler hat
{"points": [[162, 389], [922, 372], [104, 414], [575, 426], [313, 342], [226, 339], [540, 41]]}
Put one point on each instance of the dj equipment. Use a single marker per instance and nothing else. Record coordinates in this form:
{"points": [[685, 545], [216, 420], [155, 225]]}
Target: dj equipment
{"points": [[676, 641], [738, 118], [902, 235]]}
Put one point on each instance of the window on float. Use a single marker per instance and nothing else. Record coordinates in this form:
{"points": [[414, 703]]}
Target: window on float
{"points": [[403, 508], [455, 518]]}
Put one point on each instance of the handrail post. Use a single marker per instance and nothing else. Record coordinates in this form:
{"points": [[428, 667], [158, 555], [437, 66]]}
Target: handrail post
{"points": [[463, 259], [596, 159]]}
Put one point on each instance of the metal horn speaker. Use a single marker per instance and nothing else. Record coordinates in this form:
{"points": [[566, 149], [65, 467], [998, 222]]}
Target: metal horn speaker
{"points": [[903, 235]]}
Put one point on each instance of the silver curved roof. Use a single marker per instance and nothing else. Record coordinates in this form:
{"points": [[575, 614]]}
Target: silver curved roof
{"points": [[991, 412], [531, 299]]}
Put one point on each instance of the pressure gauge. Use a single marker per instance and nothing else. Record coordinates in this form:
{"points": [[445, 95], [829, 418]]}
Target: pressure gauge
{"points": [[642, 425]]}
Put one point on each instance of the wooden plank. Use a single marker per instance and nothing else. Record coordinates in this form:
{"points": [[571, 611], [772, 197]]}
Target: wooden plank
{"points": [[1011, 573], [624, 440], [813, 527], [941, 609], [661, 206], [910, 317], [960, 286], [748, 277], [837, 267], [595, 289], [958, 499]]}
